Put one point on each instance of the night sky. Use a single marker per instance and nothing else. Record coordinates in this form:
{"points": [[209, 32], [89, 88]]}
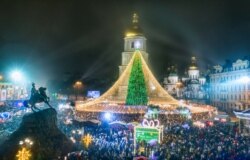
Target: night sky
{"points": [[47, 38]]}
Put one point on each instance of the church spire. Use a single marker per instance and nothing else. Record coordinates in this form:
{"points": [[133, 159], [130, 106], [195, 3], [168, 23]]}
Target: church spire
{"points": [[134, 29], [135, 18]]}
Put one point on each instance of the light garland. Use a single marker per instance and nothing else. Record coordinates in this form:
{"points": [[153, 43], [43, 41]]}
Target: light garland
{"points": [[113, 102], [150, 123], [156, 94]]}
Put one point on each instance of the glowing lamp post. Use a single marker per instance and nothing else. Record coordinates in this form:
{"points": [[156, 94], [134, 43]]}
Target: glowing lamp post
{"points": [[77, 86], [27, 143]]}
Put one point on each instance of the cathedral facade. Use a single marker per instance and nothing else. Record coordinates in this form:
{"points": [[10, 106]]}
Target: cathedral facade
{"points": [[192, 86]]}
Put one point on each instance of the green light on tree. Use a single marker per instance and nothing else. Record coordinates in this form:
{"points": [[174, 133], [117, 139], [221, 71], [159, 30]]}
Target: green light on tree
{"points": [[137, 91]]}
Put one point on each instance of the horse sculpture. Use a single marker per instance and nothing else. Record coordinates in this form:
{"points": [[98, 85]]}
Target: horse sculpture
{"points": [[37, 97]]}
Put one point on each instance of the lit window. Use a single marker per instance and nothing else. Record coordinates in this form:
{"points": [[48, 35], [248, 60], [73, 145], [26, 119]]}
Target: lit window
{"points": [[137, 45]]}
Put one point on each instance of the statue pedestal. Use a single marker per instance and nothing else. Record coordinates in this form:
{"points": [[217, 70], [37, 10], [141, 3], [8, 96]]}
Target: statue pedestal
{"points": [[41, 128]]}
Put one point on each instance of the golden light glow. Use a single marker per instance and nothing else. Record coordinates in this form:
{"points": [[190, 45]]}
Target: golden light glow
{"points": [[179, 85], [113, 100], [87, 140], [130, 34], [78, 83], [157, 95], [23, 154], [192, 67], [1, 77]]}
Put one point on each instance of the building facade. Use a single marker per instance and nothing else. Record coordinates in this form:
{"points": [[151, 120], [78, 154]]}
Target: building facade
{"points": [[11, 91], [192, 86], [172, 83], [230, 86]]}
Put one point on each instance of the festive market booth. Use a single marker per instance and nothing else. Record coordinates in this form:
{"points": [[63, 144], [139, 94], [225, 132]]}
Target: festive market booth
{"points": [[244, 116]]}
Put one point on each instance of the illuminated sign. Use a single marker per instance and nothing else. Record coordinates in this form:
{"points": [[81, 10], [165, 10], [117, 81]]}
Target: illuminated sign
{"points": [[93, 94], [147, 134]]}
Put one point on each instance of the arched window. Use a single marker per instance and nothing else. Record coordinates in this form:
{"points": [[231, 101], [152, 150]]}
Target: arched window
{"points": [[133, 45]]}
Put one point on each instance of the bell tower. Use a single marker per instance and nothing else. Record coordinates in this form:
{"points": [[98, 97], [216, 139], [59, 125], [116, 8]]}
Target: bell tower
{"points": [[193, 71], [133, 40]]}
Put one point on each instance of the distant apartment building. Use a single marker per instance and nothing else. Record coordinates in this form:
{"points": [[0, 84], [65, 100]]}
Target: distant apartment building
{"points": [[230, 86]]}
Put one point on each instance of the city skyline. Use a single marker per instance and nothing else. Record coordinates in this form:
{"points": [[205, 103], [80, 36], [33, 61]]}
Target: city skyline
{"points": [[43, 38], [116, 80]]}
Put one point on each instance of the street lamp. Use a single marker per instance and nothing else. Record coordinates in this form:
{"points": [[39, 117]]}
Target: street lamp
{"points": [[77, 86], [24, 153], [26, 143], [76, 136]]}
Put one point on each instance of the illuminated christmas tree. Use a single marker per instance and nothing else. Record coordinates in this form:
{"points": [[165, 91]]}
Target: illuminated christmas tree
{"points": [[150, 92], [137, 90]]}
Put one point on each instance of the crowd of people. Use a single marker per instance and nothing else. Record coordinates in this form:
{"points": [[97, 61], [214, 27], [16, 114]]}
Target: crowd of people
{"points": [[8, 126], [221, 141], [107, 144], [175, 118]]}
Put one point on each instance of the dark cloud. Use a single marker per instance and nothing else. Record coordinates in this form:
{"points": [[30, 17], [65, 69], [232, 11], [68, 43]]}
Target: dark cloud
{"points": [[47, 38]]}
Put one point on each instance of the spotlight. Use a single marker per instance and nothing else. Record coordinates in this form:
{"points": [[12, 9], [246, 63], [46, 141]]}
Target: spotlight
{"points": [[17, 76], [107, 116]]}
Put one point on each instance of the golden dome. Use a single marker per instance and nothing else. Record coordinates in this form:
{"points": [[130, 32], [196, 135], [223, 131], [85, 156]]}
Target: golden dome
{"points": [[193, 68], [193, 65], [134, 29]]}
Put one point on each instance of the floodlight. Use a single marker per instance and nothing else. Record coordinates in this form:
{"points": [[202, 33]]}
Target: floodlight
{"points": [[107, 116], [17, 76]]}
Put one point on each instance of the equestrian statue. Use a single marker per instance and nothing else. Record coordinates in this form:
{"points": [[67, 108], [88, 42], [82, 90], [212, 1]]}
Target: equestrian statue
{"points": [[37, 96]]}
